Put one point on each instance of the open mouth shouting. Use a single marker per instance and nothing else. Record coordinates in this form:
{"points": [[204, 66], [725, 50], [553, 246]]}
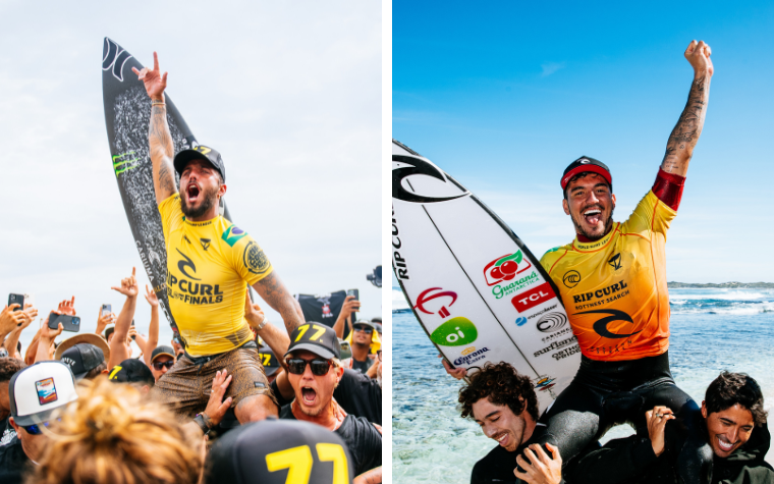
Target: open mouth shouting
{"points": [[193, 192], [309, 396]]}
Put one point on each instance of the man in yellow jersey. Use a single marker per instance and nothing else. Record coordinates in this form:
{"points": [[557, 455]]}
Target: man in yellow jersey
{"points": [[210, 262], [612, 280]]}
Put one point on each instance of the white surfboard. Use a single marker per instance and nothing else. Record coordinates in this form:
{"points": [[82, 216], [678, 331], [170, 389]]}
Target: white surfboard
{"points": [[474, 286]]}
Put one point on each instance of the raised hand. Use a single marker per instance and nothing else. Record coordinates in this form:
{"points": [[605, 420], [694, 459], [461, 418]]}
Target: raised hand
{"points": [[66, 307], [10, 319], [458, 373], [104, 320], [541, 469], [129, 286], [49, 334], [150, 296], [656, 420], [30, 313], [215, 409], [698, 54], [350, 305], [154, 81]]}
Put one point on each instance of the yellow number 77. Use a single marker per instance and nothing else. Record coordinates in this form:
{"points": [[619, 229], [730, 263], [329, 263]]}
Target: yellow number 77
{"points": [[299, 461]]}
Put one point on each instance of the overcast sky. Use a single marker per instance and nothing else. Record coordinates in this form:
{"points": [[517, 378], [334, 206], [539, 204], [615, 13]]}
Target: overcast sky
{"points": [[290, 94]]}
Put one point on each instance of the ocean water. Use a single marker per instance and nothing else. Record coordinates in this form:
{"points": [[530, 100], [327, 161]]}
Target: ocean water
{"points": [[712, 330]]}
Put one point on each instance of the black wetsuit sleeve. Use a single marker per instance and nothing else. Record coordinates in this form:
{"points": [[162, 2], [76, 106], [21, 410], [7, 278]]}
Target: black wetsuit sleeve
{"points": [[619, 461]]}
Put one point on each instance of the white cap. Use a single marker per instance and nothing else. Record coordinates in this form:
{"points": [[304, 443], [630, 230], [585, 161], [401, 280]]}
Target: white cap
{"points": [[38, 390]]}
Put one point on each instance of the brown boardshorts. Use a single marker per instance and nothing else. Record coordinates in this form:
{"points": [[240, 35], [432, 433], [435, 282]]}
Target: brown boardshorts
{"points": [[187, 385]]}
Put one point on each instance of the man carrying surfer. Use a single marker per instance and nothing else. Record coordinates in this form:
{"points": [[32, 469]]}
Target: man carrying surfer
{"points": [[612, 280], [210, 261]]}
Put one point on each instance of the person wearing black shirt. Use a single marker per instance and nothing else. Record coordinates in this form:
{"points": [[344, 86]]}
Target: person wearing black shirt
{"points": [[504, 404], [314, 370], [735, 430], [8, 368], [362, 336]]}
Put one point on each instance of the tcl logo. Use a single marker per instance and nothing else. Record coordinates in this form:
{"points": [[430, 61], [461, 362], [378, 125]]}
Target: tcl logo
{"points": [[533, 297]]}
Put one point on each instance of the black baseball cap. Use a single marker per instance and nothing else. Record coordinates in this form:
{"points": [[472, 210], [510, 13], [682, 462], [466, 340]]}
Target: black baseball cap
{"points": [[200, 152], [132, 371], [315, 338], [270, 362], [232, 459], [584, 164], [82, 358], [162, 350]]}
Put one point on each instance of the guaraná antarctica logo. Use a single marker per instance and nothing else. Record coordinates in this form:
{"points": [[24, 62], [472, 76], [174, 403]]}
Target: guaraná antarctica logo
{"points": [[457, 331]]}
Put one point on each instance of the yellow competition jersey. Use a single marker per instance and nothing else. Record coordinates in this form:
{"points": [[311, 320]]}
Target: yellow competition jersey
{"points": [[209, 265], [615, 288]]}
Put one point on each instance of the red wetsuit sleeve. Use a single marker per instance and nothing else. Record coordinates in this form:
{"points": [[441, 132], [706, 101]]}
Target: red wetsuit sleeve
{"points": [[669, 188]]}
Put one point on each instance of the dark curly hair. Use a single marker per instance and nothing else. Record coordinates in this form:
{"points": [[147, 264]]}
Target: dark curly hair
{"points": [[502, 385], [9, 367], [728, 389]]}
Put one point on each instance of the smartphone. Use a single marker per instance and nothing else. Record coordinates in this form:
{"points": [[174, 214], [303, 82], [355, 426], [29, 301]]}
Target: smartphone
{"points": [[106, 309], [133, 336], [69, 323], [16, 299], [356, 293]]}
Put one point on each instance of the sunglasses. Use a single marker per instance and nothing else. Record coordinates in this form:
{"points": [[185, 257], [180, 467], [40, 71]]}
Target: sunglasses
{"points": [[35, 429], [297, 366], [158, 365], [365, 329]]}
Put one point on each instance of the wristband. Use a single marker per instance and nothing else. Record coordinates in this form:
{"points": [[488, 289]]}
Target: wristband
{"points": [[157, 103], [204, 422], [263, 323]]}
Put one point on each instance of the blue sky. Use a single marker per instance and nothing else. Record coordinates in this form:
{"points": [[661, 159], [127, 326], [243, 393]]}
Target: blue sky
{"points": [[504, 95]]}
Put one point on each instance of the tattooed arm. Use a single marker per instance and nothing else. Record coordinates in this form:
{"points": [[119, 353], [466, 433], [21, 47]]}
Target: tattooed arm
{"points": [[273, 291], [161, 148], [685, 135]]}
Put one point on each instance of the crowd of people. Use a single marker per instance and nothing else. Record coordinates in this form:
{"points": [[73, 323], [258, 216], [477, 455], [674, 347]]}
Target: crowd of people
{"points": [[83, 409]]}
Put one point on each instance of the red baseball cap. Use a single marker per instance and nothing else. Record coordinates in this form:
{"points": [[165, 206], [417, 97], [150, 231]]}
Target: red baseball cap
{"points": [[586, 164]]}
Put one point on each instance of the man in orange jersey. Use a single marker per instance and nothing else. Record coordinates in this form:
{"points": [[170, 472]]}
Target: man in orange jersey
{"points": [[612, 280]]}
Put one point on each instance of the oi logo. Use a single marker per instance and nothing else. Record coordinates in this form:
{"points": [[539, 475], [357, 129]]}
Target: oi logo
{"points": [[457, 331]]}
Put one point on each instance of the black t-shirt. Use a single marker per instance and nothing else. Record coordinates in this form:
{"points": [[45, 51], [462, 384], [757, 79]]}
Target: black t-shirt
{"points": [[362, 366], [357, 394], [498, 465], [360, 435], [13, 462], [6, 431]]}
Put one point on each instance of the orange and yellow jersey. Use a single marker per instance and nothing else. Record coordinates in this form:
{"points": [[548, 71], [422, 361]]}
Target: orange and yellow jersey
{"points": [[615, 289], [209, 265]]}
